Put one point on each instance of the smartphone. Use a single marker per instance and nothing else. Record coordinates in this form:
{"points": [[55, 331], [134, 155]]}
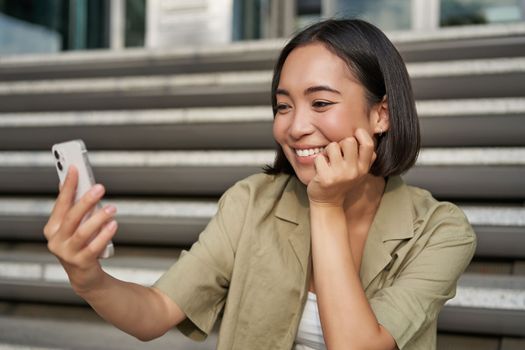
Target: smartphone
{"points": [[75, 153]]}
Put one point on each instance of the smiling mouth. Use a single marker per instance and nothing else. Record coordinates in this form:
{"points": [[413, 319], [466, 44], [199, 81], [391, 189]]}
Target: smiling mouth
{"points": [[307, 152]]}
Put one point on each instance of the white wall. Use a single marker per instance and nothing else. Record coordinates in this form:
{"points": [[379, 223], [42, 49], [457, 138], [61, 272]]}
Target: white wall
{"points": [[171, 23]]}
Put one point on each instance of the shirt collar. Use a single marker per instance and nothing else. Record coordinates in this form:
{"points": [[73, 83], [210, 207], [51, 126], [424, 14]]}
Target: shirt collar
{"points": [[293, 205], [394, 217], [392, 221], [292, 209]]}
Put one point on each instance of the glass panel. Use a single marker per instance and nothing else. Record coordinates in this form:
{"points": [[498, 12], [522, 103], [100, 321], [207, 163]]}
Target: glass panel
{"points": [[97, 24], [40, 26], [308, 12], [463, 12], [33, 26], [247, 15], [88, 24], [135, 23], [386, 14]]}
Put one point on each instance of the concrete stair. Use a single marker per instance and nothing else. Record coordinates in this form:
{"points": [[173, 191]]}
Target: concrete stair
{"points": [[443, 45], [169, 131], [468, 78]]}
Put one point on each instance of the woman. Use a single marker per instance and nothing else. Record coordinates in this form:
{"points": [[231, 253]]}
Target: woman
{"points": [[329, 249]]}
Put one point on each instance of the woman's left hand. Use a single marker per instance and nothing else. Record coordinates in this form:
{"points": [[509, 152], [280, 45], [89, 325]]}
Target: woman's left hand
{"points": [[342, 165]]}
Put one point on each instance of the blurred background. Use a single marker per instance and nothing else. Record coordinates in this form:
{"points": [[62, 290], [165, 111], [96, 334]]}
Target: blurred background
{"points": [[172, 98], [32, 26]]}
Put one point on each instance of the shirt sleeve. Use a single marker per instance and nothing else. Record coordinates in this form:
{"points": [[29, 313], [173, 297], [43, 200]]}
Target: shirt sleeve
{"points": [[428, 279], [198, 282]]}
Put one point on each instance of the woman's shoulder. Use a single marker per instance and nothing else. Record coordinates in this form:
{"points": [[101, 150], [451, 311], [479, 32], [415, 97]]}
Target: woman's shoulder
{"points": [[425, 203], [433, 213], [260, 186]]}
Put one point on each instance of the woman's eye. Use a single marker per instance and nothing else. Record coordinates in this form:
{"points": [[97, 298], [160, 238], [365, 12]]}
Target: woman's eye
{"points": [[321, 104], [282, 108]]}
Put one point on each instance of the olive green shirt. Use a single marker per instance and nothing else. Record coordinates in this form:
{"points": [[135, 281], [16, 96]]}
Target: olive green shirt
{"points": [[250, 266]]}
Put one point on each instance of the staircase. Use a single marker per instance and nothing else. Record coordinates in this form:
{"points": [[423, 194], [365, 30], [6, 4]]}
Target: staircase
{"points": [[169, 131]]}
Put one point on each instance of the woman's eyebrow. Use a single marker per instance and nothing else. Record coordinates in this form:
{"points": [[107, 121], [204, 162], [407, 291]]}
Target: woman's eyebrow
{"points": [[317, 88], [282, 92], [309, 90]]}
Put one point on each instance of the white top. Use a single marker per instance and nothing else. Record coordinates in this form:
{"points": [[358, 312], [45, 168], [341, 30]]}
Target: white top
{"points": [[310, 334]]}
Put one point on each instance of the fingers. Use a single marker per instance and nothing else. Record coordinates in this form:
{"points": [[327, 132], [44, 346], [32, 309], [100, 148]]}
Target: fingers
{"points": [[63, 203], [84, 205], [321, 164], [87, 230], [353, 152], [349, 147], [366, 150], [87, 243], [99, 243], [333, 152]]}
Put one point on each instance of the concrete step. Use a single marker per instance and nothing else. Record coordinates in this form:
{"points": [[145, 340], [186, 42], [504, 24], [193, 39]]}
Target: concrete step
{"points": [[192, 128], [30, 273], [246, 56], [153, 221], [448, 341], [473, 122], [134, 173], [25, 326], [470, 172], [476, 78], [445, 44], [147, 222], [55, 327], [500, 230], [59, 327], [474, 173], [486, 304], [245, 88], [461, 42], [498, 301]]}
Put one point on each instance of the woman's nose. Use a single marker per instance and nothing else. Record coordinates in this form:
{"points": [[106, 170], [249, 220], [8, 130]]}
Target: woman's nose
{"points": [[301, 125]]}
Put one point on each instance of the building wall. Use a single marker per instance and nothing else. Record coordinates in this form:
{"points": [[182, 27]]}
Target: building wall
{"points": [[181, 22]]}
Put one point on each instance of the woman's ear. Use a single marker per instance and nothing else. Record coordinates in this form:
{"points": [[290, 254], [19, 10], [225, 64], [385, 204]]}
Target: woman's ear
{"points": [[380, 118]]}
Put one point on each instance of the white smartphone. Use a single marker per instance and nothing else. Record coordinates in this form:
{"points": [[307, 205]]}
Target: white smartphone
{"points": [[75, 153]]}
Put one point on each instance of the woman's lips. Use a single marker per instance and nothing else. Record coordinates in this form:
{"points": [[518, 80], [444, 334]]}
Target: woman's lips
{"points": [[306, 152], [307, 155]]}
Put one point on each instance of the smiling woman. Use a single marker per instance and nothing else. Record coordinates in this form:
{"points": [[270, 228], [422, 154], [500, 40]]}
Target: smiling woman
{"points": [[314, 109], [329, 248], [358, 57]]}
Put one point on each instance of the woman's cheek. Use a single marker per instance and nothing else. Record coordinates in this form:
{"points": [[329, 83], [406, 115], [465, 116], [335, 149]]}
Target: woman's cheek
{"points": [[278, 129], [336, 127]]}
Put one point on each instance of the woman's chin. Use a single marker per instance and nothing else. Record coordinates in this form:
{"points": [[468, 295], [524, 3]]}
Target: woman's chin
{"points": [[304, 178], [305, 173]]}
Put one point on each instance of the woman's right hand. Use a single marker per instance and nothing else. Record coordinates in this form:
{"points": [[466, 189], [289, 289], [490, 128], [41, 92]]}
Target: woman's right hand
{"points": [[77, 243]]}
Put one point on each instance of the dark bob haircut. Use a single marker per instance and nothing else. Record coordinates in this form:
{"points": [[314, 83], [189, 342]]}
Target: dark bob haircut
{"points": [[378, 66]]}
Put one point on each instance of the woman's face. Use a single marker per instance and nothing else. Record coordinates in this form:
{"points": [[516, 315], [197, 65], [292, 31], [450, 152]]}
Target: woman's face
{"points": [[318, 101]]}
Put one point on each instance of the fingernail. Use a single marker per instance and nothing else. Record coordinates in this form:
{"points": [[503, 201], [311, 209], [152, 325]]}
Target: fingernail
{"points": [[110, 209], [97, 190], [112, 225]]}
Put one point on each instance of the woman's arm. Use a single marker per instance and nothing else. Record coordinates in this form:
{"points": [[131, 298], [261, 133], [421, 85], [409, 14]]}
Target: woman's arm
{"points": [[143, 312], [346, 316]]}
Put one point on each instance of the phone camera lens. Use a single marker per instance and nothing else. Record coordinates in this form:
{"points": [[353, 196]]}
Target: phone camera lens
{"points": [[59, 165], [57, 156]]}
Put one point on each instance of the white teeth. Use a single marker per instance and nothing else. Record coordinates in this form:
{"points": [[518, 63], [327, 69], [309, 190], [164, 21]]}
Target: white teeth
{"points": [[308, 152]]}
